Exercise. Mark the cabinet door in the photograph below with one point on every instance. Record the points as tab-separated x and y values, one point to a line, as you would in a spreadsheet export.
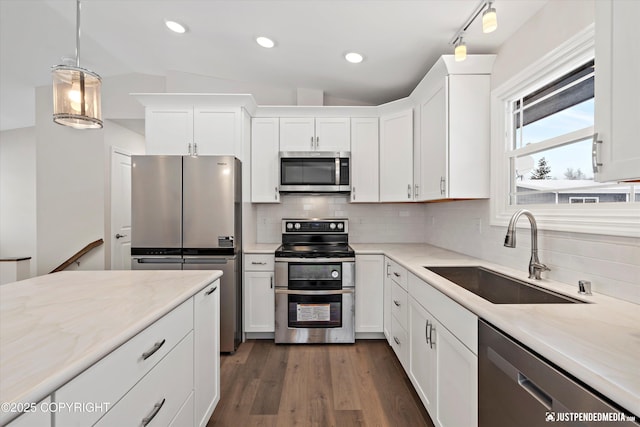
422	355
617	92
457	381
396	157
297	134
168	131
369	293
333	134
216	132
433	145
259	301
265	165
364	160
206	352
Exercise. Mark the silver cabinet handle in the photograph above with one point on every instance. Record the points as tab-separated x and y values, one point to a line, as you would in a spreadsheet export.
431	342
154	412
312	142
353	193
426	332
442	185
408	191
258	263
396	340
120	236
317	142
275	196
189	148
271	280
395	273
195	149
210	291
594	152
147	354
388	267
416	192
396	302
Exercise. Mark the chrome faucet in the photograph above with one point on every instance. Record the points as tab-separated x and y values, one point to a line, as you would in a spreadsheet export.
535	266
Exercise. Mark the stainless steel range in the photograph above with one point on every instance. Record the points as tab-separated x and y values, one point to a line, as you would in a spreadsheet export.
315	282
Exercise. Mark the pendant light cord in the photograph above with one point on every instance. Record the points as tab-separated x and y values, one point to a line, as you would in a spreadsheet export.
78	33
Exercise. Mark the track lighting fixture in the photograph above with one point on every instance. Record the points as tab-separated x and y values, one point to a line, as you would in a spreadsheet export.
489	24
489	19
460	50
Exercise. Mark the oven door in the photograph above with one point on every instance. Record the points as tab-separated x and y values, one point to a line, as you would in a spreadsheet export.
315	316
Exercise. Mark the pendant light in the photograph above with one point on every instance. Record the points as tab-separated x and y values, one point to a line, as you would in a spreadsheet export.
460	52
489	19
76	91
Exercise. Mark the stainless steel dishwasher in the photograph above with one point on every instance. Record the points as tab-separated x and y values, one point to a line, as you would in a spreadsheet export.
518	388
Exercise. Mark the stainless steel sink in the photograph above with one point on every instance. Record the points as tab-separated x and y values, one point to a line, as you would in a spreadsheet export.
498	288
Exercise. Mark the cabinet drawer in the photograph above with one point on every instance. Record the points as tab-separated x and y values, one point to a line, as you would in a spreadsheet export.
462	323
110	378
400	342
399	301
397	273
162	391
185	416
259	262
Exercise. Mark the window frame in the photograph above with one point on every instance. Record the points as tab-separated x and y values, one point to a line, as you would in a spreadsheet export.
618	219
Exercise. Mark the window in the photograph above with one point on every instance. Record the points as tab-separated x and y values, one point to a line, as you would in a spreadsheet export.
542	136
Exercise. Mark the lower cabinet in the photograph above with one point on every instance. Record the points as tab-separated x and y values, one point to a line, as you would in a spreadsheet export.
259	293
206	358
422	357
369	293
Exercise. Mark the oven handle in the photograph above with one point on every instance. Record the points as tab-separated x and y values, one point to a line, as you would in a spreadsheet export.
306	260
328	292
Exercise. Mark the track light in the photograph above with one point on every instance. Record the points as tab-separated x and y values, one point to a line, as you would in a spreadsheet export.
489	19
460	50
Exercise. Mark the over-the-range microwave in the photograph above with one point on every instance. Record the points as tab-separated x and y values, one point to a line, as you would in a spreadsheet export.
314	172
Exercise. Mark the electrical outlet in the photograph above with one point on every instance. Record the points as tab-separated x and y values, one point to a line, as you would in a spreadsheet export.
477	225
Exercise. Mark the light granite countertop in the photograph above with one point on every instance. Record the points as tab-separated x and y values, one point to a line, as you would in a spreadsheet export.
53	327
598	343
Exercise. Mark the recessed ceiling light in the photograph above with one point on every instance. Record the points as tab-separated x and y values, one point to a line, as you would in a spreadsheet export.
353	57
175	27
265	42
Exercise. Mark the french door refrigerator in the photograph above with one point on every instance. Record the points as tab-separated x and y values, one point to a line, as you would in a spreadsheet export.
186	214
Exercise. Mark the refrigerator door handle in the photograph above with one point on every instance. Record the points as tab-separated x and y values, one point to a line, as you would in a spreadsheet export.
159	260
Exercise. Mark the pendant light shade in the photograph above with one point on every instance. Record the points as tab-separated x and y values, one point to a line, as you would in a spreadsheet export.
489	19
76	92
460	52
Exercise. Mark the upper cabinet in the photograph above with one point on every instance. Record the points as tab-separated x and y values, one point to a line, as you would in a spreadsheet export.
265	167
396	157
364	160
315	134
193	131
451	156
616	154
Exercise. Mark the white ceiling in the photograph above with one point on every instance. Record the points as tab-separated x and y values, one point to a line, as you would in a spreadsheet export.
400	40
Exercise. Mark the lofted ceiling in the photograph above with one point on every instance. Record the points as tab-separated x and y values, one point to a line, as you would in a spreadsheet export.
400	40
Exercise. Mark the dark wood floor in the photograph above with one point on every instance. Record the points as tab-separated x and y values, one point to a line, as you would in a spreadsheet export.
363	384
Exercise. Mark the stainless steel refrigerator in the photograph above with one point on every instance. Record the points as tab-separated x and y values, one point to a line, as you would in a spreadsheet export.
186	214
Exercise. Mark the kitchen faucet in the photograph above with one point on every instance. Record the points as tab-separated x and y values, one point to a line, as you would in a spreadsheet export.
535	266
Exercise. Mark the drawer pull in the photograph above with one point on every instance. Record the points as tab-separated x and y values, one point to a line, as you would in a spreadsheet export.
154	412
426	332
396	340
212	290
395	273
152	350
431	343
396	302
258	263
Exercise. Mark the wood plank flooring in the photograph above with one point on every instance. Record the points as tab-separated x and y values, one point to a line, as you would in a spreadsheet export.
264	384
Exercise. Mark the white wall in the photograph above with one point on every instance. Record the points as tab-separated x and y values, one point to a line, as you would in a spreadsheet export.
611	263
70	191
18	194
368	222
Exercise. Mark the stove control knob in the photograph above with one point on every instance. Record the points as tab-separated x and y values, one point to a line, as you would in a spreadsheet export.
335	274
340	226
289	226
296	226
332	226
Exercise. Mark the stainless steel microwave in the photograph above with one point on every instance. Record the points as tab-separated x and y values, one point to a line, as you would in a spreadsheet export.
314	172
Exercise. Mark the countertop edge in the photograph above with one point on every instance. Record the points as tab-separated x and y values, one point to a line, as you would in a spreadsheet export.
68	373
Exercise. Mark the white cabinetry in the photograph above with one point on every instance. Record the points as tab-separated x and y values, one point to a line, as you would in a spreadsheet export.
388	284
396	157
265	165
365	143
315	134
259	294
369	293
206	325
617	92
399	311
452	156
193	131
443	367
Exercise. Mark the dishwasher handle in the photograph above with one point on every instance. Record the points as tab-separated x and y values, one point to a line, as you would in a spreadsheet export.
216	261
158	260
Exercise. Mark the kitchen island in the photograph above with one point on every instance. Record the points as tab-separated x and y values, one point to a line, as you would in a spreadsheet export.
62	332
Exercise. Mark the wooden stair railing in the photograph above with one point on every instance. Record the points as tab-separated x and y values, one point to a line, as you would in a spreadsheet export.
75	257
